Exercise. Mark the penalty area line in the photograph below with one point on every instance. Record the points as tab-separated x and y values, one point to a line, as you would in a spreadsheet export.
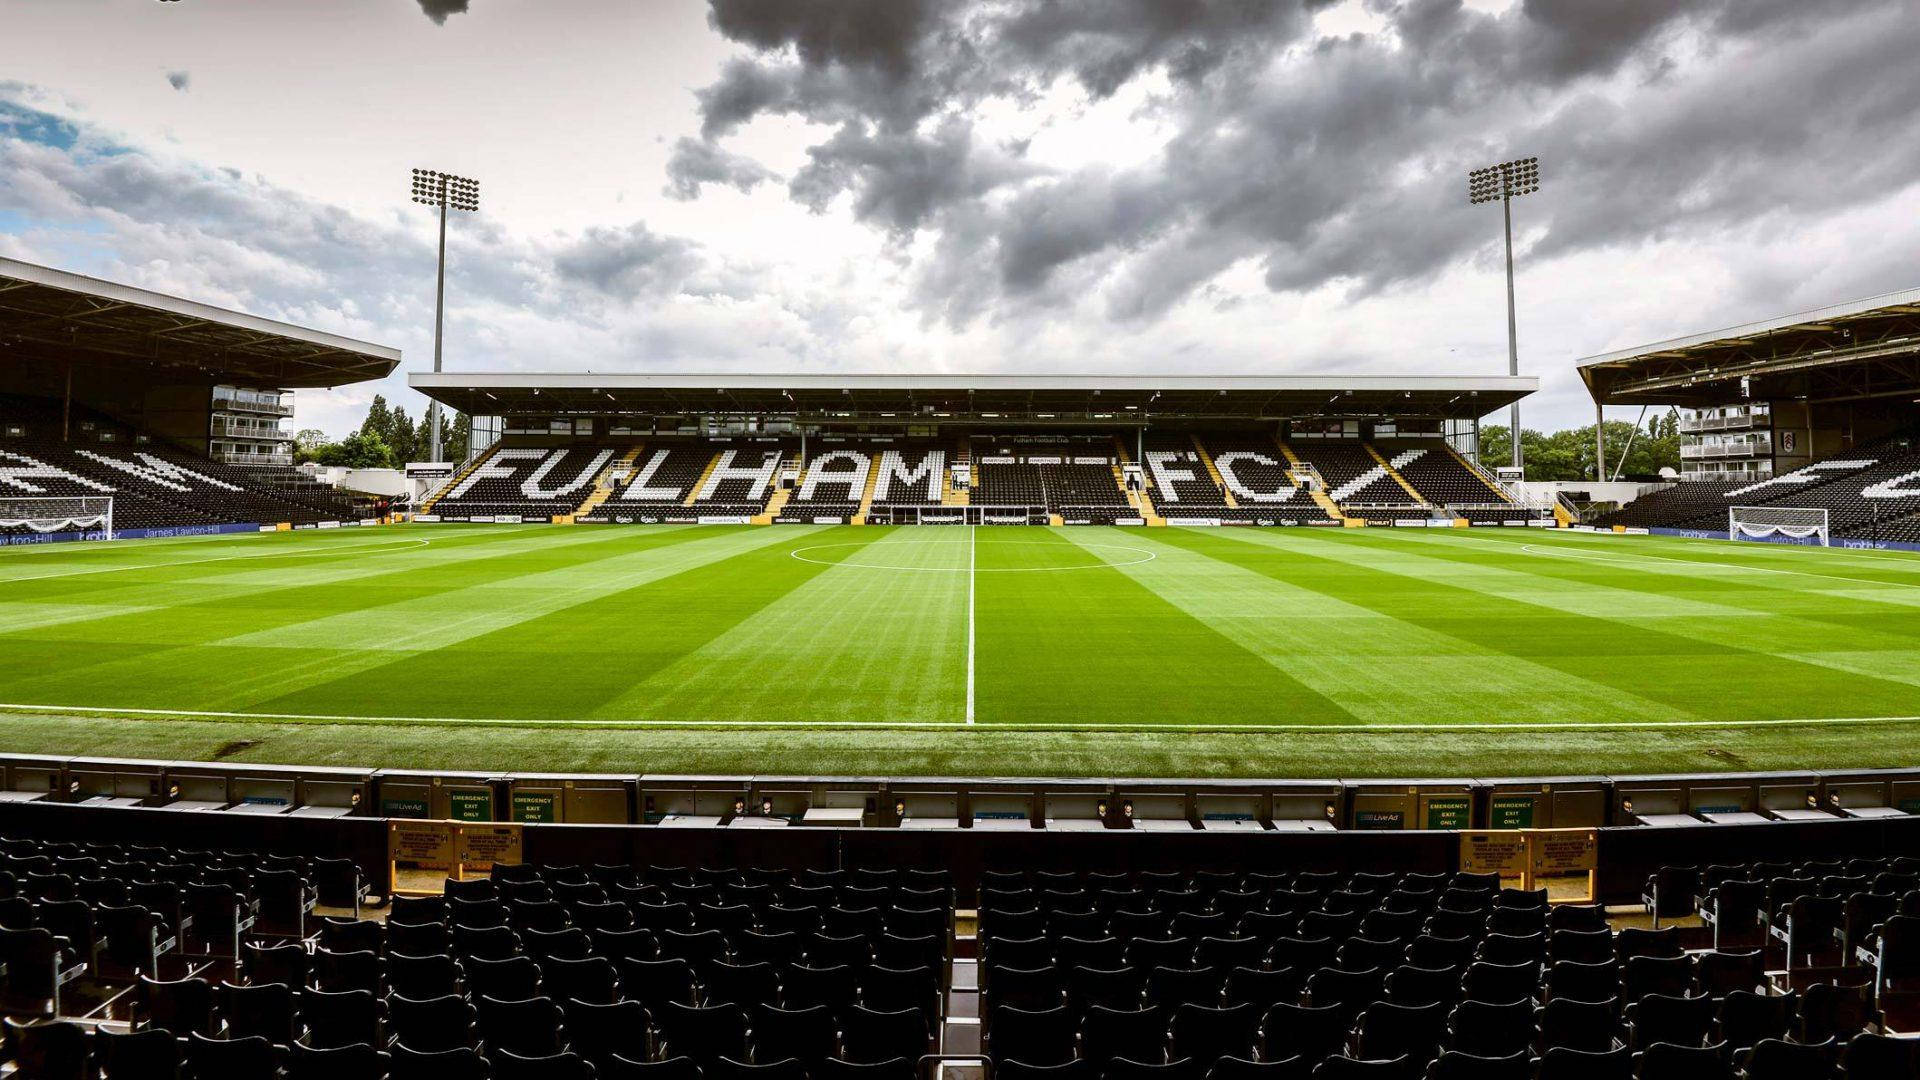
949	725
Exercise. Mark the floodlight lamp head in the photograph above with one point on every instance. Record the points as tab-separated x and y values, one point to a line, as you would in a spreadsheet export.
1507	180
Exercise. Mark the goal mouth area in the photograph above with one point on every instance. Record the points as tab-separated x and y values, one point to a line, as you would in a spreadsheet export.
1809	525
45	516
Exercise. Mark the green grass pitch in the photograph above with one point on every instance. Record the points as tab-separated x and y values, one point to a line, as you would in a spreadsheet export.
1077	651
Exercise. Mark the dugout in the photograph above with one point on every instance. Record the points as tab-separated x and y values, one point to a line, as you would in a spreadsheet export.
1560	802
30	777
122	782
683	802
440	796
1410	804
1076	806
574	799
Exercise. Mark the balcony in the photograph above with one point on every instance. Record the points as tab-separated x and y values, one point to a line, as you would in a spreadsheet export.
252	401
247	428
234	456
1740	421
1756	448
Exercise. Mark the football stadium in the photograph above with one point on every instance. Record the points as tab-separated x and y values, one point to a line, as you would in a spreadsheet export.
958	713
900	726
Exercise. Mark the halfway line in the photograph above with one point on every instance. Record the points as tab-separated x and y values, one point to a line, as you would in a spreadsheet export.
971	532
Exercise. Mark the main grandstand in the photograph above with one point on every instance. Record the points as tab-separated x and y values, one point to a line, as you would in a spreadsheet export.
976	450
1829	395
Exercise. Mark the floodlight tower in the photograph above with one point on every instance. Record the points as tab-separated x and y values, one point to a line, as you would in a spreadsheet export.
1507	181
448	192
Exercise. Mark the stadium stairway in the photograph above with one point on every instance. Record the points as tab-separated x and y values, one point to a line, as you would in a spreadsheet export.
962	455
1498	491
1393	471
777	501
1214	472
1320	497
699	485
866	492
460	474
603	484
1140	500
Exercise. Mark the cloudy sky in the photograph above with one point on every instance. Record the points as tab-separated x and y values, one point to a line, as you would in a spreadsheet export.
1196	186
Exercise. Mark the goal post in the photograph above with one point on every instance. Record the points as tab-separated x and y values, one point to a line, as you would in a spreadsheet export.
1779	524
42	514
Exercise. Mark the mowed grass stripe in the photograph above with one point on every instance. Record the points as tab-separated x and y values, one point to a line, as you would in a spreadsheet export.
1702	672
1663	663
1890	577
1338	629
1099	646
566	663
498	646
203	671
136	649
1793	626
281	570
882	643
30	564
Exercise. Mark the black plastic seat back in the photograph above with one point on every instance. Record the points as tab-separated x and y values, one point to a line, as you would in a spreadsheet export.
447	1022
138	1055
182	1006
265	1009
597	1032
49	1049
357	1062
1564	1063
1666	1061
236	1058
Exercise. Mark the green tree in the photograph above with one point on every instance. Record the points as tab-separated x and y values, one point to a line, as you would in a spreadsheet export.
379	421
456	429
1568	455
401	436
360	450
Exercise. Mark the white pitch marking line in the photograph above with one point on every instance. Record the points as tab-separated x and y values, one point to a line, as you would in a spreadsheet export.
971	547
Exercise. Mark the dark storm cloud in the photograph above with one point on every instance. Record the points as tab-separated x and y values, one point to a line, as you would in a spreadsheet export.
626	262
179	80
696	163
1324	159
438	10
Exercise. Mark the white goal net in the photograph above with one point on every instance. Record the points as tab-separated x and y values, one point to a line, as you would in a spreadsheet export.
1799	524
51	515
